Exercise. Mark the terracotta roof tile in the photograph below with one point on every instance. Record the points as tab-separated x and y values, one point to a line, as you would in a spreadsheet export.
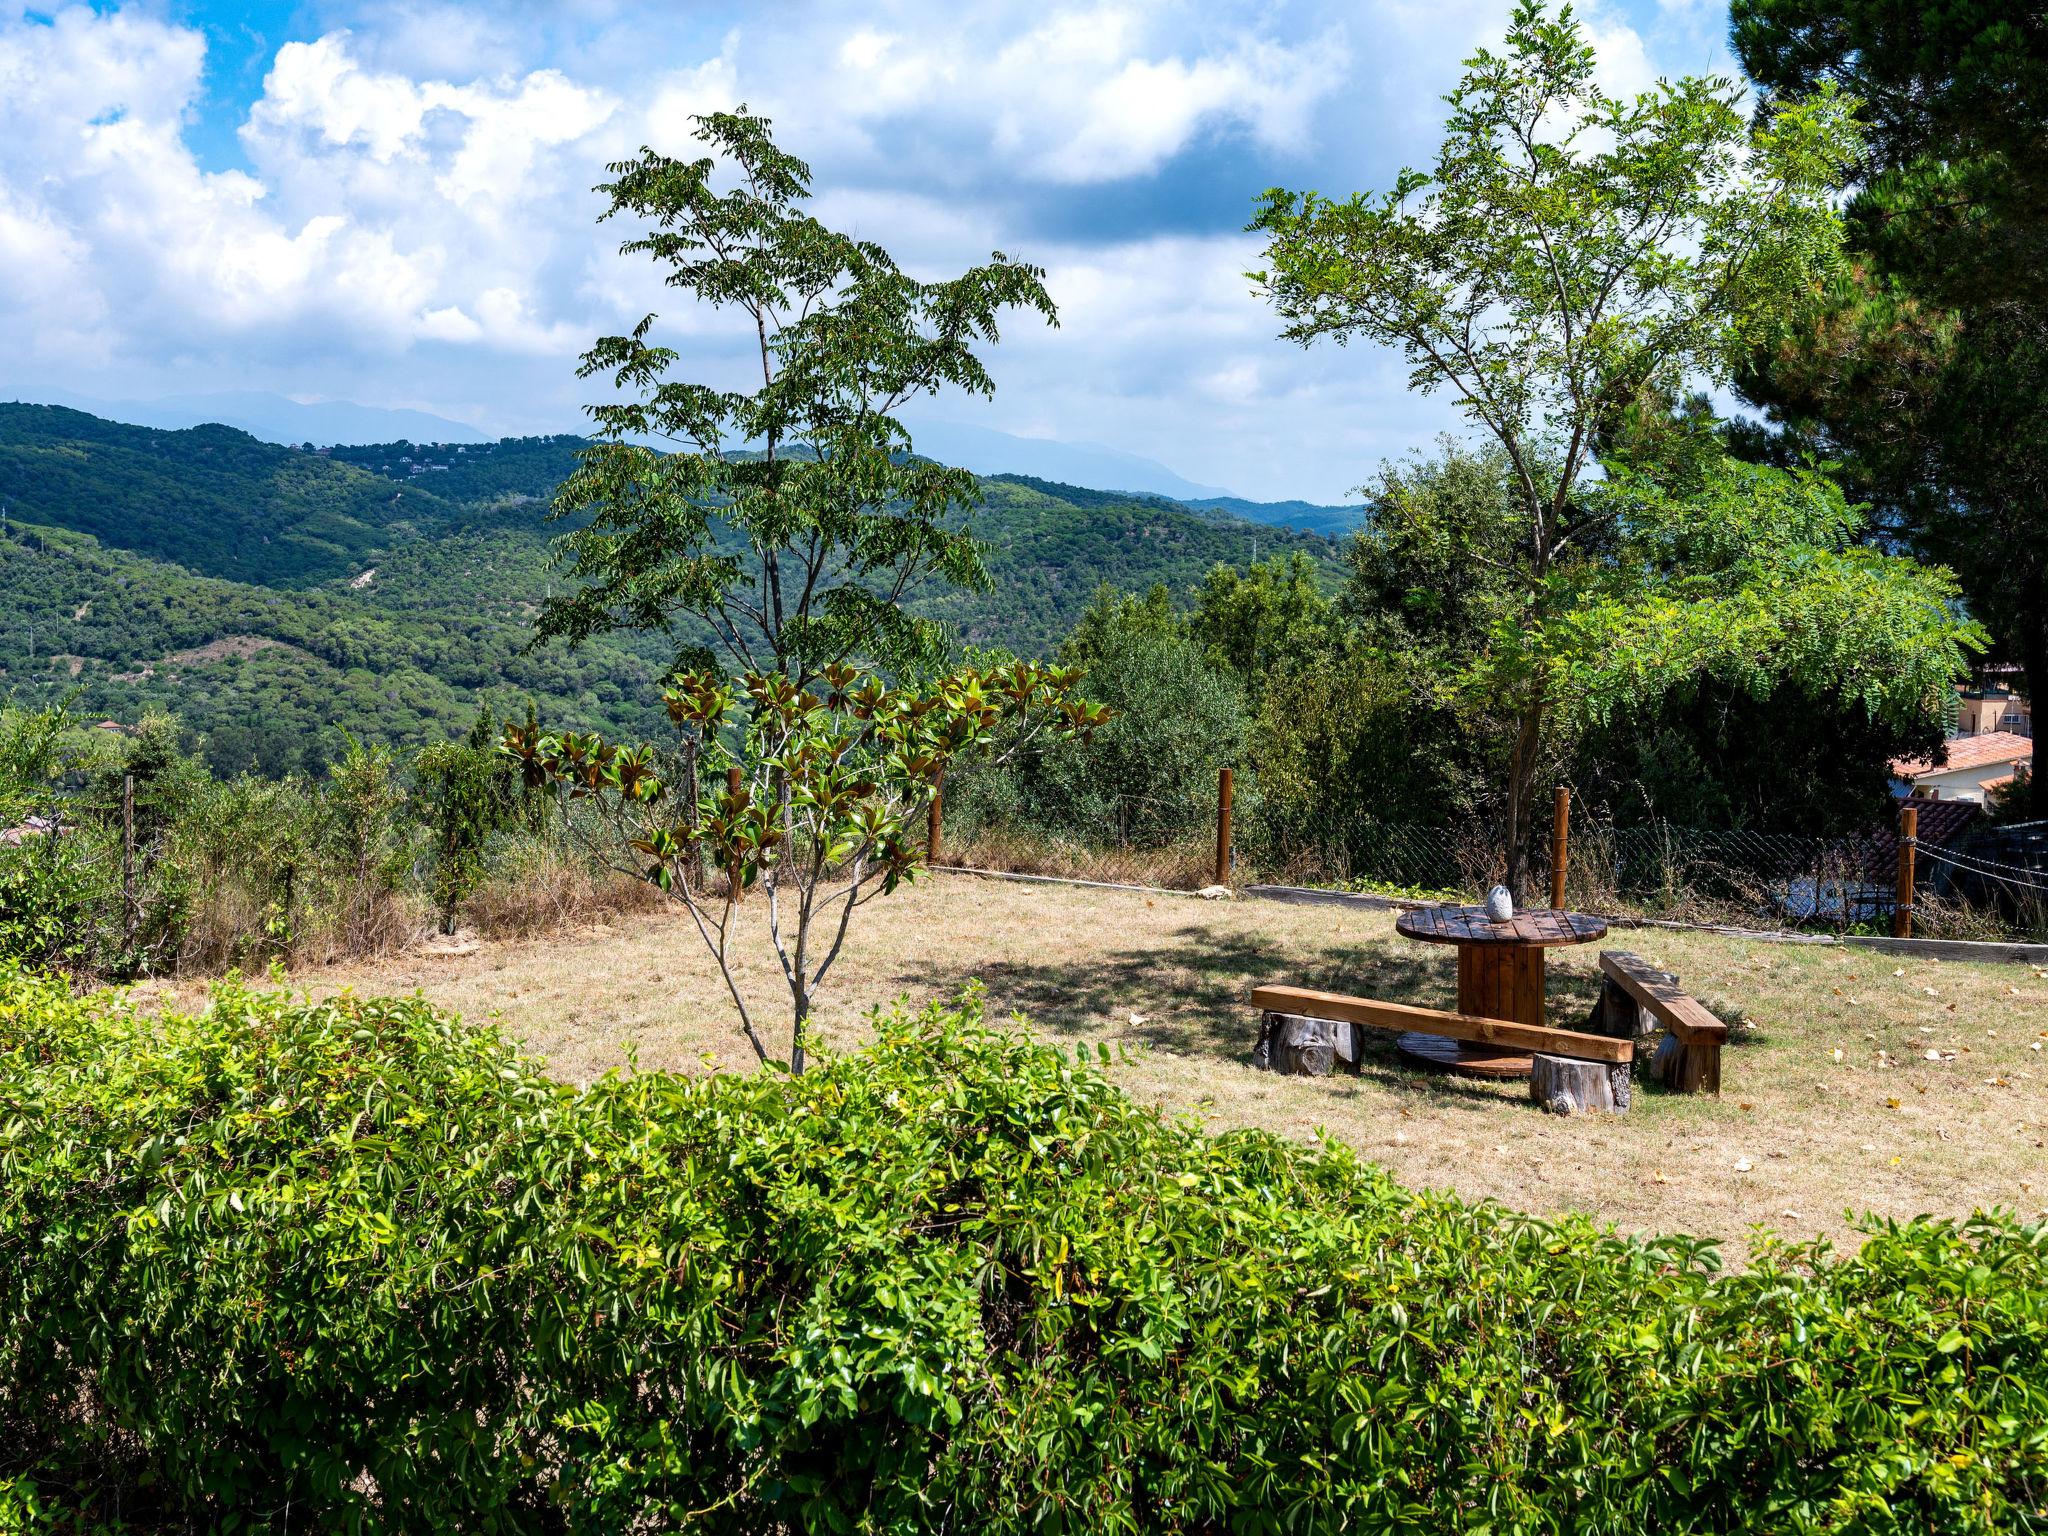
1970	752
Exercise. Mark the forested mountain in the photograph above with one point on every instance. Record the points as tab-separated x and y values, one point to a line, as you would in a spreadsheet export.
212	499
267	594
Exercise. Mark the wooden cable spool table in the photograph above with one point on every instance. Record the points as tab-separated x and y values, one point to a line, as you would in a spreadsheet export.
1500	976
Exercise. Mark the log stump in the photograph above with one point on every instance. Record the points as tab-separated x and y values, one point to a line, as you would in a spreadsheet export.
1565	1085
1304	1047
1683	1068
1617	1014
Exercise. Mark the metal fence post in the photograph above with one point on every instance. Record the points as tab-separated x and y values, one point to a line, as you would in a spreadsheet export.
1223	793
1909	839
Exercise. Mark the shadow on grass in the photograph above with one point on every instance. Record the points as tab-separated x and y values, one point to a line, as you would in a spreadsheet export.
1190	994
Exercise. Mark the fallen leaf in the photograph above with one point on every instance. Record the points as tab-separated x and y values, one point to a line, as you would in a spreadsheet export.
1790	1215
1659	1177
1891	1103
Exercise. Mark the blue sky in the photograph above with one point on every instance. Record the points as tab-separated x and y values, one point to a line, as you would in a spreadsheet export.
388	201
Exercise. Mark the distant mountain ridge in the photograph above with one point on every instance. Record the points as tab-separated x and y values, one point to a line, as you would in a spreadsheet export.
342	423
273	418
266	594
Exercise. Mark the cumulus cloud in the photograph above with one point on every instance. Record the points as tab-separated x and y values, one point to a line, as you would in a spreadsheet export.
411	218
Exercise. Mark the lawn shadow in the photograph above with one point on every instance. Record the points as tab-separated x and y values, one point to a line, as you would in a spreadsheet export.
1190	995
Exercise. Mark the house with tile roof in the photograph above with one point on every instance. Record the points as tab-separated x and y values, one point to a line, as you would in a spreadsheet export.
1967	768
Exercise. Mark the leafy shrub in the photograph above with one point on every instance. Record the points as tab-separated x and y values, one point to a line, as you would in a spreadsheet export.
1147	777
354	1261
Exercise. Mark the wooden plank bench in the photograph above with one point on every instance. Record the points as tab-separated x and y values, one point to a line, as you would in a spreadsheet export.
1689	1057
1305	1031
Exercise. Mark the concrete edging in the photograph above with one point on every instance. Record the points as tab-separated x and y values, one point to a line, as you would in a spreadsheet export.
1093	885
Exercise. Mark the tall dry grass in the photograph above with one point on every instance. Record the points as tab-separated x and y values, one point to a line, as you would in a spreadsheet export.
1185	865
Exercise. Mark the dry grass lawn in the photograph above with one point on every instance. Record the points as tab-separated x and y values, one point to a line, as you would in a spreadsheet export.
1853	1082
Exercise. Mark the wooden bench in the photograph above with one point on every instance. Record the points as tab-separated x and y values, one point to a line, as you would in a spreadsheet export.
1308	1032
1637	997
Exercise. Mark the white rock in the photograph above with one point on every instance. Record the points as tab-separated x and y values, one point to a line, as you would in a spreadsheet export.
1500	906
1216	893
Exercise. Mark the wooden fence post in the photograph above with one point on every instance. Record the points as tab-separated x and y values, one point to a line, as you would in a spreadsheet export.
933	817
128	911
1223	793
1560	837
736	869
1909	839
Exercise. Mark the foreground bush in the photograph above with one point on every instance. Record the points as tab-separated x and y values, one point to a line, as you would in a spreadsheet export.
352	1266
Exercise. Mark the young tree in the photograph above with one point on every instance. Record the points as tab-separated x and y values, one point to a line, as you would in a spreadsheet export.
466	796
1570	255
814	798
773	529
361	811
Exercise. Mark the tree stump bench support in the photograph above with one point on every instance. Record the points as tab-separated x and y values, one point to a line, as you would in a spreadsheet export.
1307	1033
1641	998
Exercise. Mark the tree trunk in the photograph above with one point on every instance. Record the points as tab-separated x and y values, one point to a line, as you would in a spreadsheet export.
1522	765
796	1032
2033	652
1566	1086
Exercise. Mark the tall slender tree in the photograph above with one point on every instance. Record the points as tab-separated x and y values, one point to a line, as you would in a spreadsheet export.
1570	257
773	527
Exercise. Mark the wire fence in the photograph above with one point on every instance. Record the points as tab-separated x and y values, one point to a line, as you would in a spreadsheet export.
1981	882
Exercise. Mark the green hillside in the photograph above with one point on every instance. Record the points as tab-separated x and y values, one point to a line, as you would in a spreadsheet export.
212	499
266	595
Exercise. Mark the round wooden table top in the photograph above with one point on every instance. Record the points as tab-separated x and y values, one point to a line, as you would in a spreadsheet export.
1470	925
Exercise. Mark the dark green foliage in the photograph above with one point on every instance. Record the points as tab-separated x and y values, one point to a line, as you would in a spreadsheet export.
354	1261
509	473
1273	615
447	617
1924	368
1793	761
1146	777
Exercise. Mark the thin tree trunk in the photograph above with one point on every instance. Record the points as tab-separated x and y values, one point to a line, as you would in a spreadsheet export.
2033	649
1522	765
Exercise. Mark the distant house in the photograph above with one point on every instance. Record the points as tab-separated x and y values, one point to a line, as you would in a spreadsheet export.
1983	711
1973	767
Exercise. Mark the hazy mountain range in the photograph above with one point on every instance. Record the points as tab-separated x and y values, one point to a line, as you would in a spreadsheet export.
326	423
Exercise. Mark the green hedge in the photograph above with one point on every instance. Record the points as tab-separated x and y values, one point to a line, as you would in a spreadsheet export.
353	1266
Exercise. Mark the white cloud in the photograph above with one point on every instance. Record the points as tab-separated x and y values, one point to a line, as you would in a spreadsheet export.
413	223
1088	94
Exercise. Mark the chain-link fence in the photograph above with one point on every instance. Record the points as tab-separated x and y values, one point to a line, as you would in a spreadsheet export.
1969	879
